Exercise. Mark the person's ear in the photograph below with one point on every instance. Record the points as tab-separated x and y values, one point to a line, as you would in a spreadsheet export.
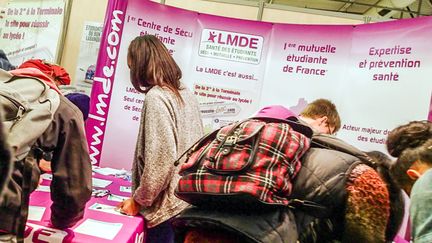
323	120
413	174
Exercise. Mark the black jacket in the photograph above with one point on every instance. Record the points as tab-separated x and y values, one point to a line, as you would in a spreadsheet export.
321	180
275	225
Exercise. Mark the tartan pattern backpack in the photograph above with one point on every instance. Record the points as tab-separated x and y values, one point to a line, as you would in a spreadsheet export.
249	161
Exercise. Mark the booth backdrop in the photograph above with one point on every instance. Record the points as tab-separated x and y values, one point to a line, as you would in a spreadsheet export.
376	74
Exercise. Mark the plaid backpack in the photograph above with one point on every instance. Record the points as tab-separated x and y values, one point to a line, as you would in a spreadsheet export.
250	161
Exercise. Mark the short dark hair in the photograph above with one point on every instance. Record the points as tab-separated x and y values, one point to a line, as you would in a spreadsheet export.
410	135
410	143
323	107
152	65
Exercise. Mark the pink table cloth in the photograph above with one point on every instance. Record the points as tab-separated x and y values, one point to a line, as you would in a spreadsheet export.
96	226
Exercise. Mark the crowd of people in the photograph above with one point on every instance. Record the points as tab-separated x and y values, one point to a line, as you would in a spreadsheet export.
340	193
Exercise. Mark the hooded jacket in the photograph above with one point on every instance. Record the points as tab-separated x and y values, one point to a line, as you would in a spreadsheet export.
338	176
276	225
71	168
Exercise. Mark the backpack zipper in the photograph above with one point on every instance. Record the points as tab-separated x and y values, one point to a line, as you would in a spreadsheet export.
21	108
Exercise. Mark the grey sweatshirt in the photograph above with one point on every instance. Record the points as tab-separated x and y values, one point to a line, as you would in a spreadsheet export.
167	129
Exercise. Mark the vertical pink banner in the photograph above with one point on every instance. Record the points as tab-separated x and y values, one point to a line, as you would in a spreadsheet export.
103	80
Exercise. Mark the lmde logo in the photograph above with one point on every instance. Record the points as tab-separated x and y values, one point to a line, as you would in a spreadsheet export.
233	46
233	39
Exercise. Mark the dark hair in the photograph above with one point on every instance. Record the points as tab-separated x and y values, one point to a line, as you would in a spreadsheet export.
323	107
410	135
410	143
151	65
383	164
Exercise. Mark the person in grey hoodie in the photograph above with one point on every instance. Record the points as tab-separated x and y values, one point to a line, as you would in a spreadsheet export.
170	124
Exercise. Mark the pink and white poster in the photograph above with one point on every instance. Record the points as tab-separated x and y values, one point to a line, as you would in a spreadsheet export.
387	82
228	68
32	29
306	62
376	74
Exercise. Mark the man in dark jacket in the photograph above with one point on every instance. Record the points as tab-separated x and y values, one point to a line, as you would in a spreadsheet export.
276	225
344	197
356	198
71	169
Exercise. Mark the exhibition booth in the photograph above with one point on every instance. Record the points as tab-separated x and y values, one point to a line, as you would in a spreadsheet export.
377	74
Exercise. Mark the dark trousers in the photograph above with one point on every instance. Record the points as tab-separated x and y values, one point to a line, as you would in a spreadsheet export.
162	233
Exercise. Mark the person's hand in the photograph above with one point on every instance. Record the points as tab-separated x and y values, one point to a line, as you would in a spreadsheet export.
129	207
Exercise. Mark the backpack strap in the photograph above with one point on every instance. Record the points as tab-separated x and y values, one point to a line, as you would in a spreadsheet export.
312	208
227	144
196	145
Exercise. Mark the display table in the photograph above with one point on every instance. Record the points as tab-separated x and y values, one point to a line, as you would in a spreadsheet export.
101	222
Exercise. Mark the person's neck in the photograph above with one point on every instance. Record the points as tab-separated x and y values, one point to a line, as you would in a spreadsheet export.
423	168
307	120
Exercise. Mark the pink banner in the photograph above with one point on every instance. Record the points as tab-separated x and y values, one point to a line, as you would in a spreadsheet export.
306	62
228	67
376	74
104	77
386	82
